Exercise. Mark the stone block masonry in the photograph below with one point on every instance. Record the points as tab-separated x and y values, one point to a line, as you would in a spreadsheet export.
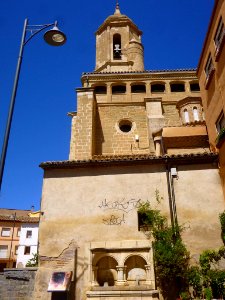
17	284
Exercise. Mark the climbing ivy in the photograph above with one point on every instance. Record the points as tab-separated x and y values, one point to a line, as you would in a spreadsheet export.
171	257
222	223
33	262
174	275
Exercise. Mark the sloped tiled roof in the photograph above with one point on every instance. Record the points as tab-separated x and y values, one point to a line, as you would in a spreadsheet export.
144	72
17	215
131	159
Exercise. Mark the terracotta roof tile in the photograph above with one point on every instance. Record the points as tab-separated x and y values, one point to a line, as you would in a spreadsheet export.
144	72
19	215
131	159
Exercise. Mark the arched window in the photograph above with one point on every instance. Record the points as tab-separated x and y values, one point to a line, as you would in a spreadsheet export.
195	114
135	269
101	89
118	89
194	87
177	87
117	46
157	87
107	271
186	116
138	88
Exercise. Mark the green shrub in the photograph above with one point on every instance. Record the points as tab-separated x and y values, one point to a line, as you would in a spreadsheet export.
221	135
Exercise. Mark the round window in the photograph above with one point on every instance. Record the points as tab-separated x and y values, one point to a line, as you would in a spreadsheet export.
125	125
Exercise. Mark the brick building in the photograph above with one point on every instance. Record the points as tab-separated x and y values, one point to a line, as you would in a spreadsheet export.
211	73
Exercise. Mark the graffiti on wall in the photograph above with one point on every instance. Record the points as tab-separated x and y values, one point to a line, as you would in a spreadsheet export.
123	205
114	220
119	206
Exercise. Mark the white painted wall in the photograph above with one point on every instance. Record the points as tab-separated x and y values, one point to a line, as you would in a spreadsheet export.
32	241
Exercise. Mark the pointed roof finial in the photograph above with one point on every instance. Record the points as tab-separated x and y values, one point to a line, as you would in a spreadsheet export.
117	11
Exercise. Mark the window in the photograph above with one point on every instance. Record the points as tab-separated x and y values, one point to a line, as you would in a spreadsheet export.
219	37
143	222
26	250
220	122
125	126
3	251
157	88
186	116
116	46
194	87
16	250
138	88
6	232
18	232
29	234
177	87
209	66
195	114
119	89
100	89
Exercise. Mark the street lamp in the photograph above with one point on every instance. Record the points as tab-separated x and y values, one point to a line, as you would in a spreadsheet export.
53	37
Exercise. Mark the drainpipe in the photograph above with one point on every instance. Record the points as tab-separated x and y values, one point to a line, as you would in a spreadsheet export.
10	252
171	194
173	199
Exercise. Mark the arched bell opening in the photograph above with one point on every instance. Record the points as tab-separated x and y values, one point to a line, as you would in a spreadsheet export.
117	46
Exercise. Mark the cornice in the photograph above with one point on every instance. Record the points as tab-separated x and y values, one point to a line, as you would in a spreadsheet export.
127	160
121	104
146	75
117	21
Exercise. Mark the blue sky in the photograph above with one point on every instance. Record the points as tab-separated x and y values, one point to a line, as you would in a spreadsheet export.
173	35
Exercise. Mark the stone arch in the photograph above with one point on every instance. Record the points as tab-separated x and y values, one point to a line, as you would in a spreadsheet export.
106	270
116	46
186	116
194	86
177	86
99	88
135	269
138	87
158	87
98	256
195	113
118	88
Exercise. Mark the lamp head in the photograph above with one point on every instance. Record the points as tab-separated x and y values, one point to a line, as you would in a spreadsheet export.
55	37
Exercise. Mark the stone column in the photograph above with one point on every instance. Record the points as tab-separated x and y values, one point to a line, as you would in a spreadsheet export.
158	150
148	89
167	88
128	92
149	278
187	86
121	275
94	281
109	92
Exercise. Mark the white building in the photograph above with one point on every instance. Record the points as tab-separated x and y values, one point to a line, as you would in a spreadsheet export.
28	243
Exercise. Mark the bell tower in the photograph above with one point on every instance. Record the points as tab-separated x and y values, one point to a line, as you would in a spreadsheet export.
118	45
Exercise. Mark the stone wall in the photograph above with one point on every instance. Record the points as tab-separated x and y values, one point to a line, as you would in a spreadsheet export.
17	284
82	126
111	140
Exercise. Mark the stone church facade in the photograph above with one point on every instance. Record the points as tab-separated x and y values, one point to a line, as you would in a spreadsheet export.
135	133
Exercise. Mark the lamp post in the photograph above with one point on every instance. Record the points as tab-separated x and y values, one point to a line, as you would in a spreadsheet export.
53	37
